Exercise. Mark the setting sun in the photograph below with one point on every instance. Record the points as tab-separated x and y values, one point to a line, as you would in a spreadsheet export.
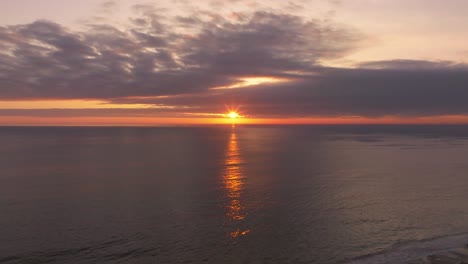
233	115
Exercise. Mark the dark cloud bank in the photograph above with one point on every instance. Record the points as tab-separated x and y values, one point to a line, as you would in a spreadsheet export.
186	56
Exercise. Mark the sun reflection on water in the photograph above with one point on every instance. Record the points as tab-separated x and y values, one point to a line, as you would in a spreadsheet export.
234	184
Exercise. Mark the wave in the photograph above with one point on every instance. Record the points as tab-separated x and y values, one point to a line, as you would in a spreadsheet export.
109	251
446	249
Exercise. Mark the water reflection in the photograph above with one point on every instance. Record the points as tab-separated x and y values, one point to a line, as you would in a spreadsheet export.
234	184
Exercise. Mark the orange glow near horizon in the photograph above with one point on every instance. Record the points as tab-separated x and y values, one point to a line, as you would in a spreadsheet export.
71	104
158	121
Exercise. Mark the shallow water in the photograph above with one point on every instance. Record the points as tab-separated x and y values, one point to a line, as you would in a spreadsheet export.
284	194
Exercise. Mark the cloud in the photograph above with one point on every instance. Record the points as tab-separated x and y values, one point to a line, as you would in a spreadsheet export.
267	43
45	60
175	60
409	65
344	92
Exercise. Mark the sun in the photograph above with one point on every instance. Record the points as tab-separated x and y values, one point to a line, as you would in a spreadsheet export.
233	115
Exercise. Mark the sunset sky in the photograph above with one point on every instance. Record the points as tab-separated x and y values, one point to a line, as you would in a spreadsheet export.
92	62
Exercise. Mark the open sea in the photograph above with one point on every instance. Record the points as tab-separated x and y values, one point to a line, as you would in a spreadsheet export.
244	194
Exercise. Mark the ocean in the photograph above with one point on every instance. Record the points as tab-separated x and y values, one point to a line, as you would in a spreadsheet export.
223	194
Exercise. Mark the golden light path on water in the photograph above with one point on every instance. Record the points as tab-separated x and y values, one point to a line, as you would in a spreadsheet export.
233	178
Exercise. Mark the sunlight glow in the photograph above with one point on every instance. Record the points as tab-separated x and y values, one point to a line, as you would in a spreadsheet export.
233	115
251	81
234	180
72	104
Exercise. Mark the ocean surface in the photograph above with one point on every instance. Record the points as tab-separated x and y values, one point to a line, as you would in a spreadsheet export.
244	194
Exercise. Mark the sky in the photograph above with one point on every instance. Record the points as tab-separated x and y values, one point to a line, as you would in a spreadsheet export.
123	62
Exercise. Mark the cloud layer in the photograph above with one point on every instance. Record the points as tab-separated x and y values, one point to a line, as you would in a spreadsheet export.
176	60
